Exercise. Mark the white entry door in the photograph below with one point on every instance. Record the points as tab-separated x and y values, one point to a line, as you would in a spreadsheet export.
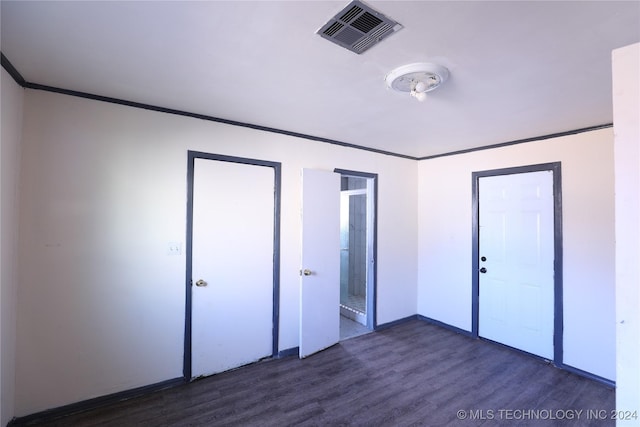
232	265
320	273
516	250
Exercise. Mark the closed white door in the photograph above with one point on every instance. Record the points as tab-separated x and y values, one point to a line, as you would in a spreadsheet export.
516	250
232	265
320	273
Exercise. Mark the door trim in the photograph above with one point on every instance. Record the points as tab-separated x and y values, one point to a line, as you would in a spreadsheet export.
374	290
277	166
555	168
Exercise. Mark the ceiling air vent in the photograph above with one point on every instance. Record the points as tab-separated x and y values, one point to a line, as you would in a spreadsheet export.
358	27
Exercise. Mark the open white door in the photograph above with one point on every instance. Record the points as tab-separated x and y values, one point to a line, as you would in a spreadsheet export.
320	273
516	283
232	265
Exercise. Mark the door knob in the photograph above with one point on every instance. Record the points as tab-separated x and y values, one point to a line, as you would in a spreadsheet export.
484	258
201	283
306	272
483	270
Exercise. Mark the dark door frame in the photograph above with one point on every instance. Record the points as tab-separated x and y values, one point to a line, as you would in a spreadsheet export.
557	247
192	155
372	303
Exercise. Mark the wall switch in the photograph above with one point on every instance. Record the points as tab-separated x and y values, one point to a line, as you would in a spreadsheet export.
174	248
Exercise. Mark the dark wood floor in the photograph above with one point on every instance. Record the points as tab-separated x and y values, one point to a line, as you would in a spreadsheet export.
413	374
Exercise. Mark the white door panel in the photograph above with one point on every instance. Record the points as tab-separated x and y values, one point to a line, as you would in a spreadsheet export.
516	300
232	252
320	289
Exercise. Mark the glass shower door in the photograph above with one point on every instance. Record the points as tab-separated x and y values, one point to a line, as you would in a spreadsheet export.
353	249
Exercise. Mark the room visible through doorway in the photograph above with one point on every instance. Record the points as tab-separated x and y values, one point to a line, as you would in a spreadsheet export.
356	254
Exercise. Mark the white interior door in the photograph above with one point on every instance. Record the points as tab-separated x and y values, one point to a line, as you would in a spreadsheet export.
320	273
516	283
232	265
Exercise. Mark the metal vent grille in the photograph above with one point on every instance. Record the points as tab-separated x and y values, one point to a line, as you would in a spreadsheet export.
358	27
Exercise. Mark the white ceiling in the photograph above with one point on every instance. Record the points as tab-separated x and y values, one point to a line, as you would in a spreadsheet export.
519	69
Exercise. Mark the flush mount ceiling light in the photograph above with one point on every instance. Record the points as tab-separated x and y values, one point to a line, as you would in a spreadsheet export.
417	79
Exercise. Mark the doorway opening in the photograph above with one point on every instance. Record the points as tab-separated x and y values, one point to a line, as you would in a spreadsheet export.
357	253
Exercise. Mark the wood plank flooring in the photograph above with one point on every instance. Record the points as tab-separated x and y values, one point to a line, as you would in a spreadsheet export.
412	374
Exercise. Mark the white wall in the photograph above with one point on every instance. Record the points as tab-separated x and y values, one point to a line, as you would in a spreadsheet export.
626	122
103	190
11	124
445	232
101	304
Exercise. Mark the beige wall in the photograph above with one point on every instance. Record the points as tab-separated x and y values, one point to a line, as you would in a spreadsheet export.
444	272
101	304
11	123
626	122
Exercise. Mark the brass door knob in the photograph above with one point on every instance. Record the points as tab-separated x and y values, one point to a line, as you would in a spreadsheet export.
307	272
201	283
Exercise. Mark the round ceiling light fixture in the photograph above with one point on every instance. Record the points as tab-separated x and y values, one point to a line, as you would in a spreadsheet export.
417	79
